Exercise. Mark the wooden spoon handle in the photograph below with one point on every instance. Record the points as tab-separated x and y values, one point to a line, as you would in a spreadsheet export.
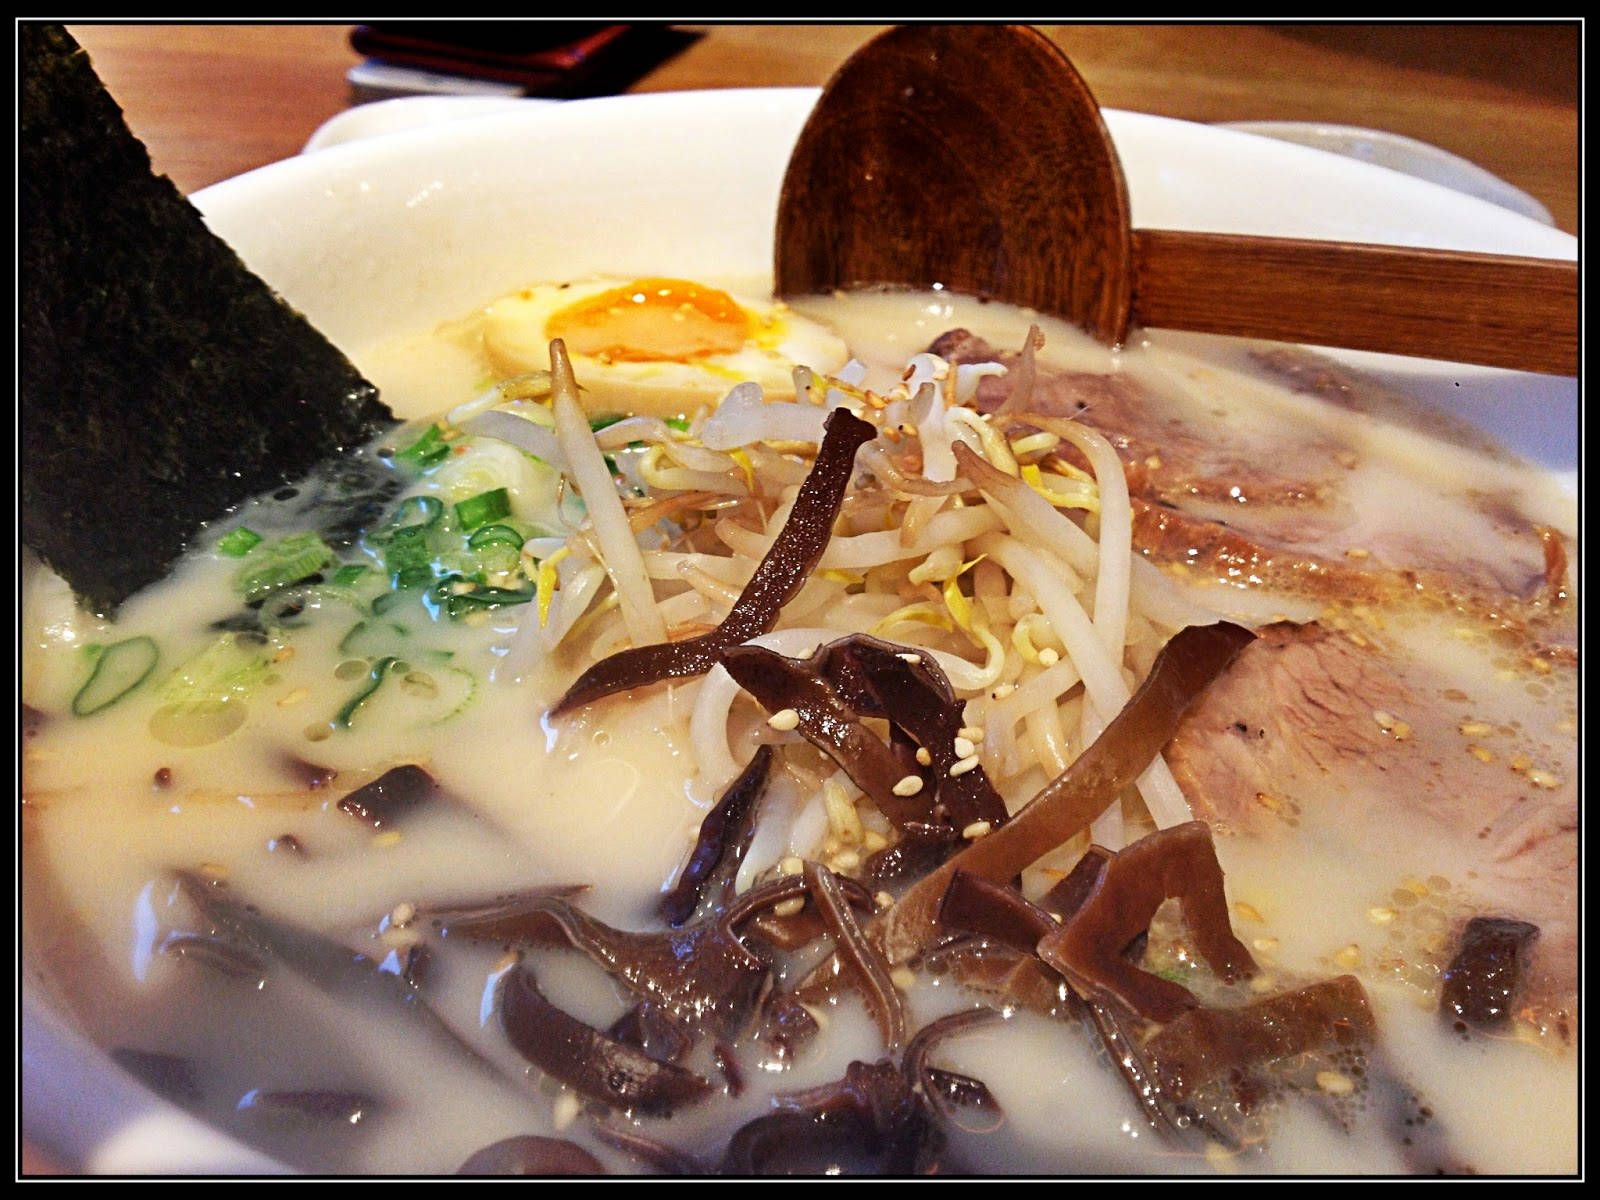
1490	309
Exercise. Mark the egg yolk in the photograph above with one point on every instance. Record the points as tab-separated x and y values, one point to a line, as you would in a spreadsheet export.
653	320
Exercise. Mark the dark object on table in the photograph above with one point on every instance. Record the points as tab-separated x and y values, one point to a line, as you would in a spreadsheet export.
162	382
544	58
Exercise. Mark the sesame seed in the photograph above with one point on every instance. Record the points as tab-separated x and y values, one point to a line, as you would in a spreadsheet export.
1048	657
1476	728
843	819
973	733
909	785
404	913
389	837
566	1110
1246	912
965	765
1357	552
1262	984
789	908
913	659
844	862
1265	945
873	841
1335	1083
882	900
1480	753
1348	957
1380	916
792	865
1004	690
976	830
1542	778
924	757
293	697
399	939
784	720
283	655
903	978
1391	724
965	748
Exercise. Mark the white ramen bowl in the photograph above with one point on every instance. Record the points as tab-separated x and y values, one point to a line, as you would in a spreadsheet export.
390	236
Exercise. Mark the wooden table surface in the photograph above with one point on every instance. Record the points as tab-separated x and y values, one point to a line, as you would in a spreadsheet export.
214	100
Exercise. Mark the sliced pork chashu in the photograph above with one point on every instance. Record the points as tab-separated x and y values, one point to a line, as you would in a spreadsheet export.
1291	474
1413	755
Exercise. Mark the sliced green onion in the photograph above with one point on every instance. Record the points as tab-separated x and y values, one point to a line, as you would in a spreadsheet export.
495	559
228	669
238	542
466	699
409	578
347	642
428	450
390	600
596	424
483	598
441	591
118	669
495	535
376	676
286	561
408	559
346	576
483	508
366	636
415	512
681	424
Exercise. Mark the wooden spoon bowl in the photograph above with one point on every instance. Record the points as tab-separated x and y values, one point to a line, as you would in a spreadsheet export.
975	157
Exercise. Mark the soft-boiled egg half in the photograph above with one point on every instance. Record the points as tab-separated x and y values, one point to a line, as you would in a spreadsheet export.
657	347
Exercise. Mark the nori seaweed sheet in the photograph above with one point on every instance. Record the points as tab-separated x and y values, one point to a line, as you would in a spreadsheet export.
162	382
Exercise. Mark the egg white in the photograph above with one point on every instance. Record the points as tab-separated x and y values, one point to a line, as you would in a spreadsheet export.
516	339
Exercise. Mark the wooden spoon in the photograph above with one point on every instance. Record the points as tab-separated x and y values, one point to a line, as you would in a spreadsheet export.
975	157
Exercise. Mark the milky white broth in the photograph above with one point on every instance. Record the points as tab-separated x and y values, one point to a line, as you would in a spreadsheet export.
610	797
